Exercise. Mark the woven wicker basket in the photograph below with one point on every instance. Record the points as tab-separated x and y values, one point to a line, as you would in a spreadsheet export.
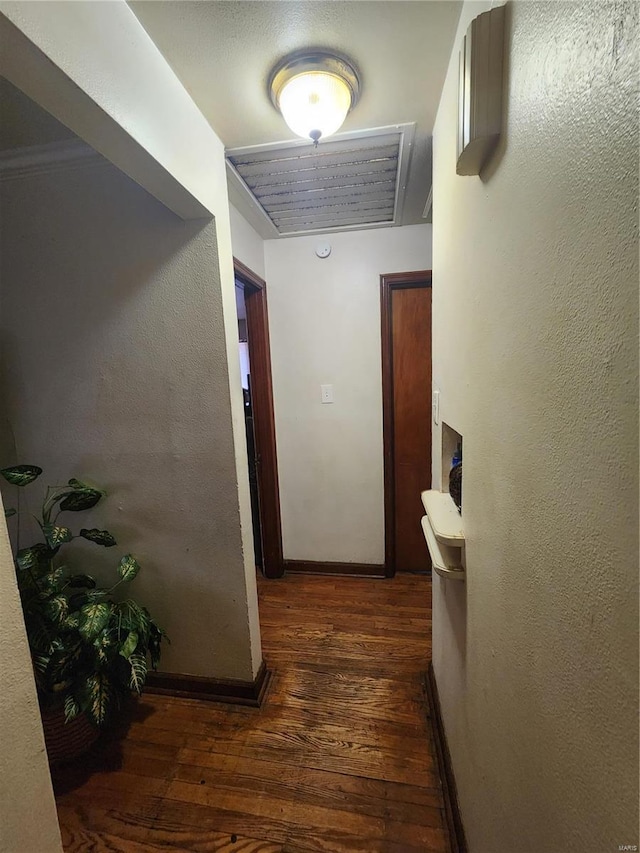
66	741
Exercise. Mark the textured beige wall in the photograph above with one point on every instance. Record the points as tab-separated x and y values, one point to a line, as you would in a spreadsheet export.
28	821
536	355
93	66
324	317
115	369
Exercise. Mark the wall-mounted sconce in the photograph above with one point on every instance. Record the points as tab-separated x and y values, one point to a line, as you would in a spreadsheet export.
480	91
314	91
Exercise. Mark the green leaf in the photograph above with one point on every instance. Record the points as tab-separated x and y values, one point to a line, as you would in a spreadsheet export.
82	581
27	558
101	537
128	568
21	475
104	644
55	536
129	645
67	651
156	636
72	621
92	596
93	619
98	697
37	556
52	582
82	497
106	638
78	600
103	658
78	484
41	662
38	634
56	608
134	618
9	512
71	708
138	672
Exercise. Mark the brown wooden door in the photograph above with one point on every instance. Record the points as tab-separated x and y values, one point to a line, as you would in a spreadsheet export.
406	354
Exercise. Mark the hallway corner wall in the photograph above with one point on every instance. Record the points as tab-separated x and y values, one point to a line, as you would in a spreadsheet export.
535	300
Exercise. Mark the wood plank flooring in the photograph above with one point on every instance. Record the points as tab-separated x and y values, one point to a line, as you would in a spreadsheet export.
339	759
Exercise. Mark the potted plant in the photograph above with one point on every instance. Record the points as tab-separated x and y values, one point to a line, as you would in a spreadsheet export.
90	646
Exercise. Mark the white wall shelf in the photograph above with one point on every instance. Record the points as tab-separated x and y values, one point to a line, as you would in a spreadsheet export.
444	517
444	534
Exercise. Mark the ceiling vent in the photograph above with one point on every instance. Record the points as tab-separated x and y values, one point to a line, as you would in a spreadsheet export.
353	180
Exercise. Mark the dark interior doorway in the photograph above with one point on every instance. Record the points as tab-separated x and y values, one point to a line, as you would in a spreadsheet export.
406	402
260	424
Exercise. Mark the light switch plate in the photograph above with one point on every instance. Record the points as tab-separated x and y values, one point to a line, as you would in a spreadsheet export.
436	407
326	393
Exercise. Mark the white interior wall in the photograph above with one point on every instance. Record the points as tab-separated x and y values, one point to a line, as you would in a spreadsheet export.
324	321
28	820
535	289
115	370
247	244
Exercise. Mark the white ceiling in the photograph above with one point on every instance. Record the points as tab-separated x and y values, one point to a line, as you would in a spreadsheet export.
223	51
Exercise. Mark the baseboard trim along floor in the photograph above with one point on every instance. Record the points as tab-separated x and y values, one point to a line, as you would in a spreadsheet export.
449	790
212	689
365	570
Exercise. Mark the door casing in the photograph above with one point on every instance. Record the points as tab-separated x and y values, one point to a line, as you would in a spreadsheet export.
255	294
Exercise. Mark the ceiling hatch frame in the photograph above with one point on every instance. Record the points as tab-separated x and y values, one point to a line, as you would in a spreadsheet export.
404	139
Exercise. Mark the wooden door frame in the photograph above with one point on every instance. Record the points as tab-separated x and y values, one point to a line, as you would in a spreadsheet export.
388	283
263	417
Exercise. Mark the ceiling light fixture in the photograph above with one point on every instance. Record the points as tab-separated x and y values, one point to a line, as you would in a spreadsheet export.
314	91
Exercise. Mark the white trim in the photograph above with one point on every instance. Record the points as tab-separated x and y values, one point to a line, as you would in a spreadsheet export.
235	181
407	133
298	142
31	160
360	226
428	204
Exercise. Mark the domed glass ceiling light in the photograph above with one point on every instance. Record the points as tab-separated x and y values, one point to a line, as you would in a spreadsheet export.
314	91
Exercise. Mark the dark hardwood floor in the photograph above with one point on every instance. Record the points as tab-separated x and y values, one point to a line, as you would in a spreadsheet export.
339	759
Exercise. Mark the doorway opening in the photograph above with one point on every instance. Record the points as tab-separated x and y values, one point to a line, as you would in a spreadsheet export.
406	406
255	364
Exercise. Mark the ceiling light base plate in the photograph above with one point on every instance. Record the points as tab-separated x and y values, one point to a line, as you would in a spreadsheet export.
304	61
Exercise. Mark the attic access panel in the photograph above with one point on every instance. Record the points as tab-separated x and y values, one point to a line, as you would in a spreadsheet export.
349	181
